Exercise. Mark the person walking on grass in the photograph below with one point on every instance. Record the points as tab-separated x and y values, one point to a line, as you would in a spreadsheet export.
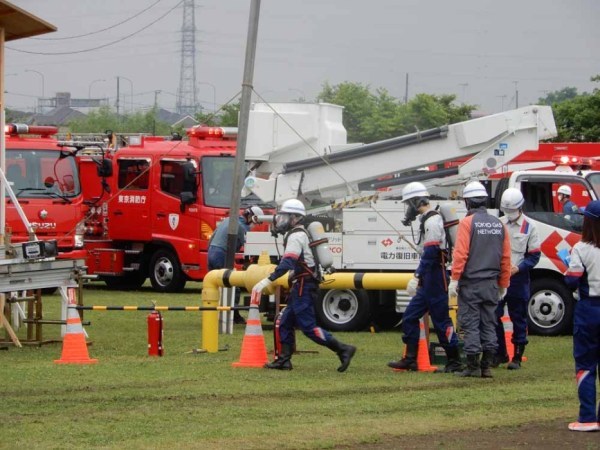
300	310
583	274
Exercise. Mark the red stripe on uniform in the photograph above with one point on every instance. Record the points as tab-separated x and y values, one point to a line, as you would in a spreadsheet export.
431	243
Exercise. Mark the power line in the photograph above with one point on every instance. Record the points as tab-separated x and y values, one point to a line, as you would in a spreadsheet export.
100	46
101	30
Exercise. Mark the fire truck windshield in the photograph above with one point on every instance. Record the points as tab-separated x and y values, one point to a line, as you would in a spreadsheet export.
42	173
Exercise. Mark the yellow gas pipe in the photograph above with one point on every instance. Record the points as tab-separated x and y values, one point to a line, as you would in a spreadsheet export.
256	272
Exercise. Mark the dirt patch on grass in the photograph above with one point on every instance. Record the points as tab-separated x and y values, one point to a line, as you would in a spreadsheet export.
553	435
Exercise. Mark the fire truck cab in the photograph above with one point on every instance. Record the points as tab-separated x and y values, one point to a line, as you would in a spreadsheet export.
164	199
45	179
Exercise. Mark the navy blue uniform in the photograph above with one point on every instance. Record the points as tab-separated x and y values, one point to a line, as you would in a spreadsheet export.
432	294
300	310
584	274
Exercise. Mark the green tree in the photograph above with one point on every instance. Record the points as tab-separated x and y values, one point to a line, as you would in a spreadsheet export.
373	117
555	97
105	118
229	115
578	118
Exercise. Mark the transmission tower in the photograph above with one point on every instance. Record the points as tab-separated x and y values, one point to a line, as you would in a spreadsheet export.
187	102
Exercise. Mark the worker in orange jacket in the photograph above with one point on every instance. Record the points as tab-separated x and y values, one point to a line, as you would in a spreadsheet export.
480	277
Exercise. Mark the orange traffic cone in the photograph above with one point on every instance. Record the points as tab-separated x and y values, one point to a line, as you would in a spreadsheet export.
254	350
508	334
74	349
423	362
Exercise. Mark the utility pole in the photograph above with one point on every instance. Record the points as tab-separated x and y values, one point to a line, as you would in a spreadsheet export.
406	90
464	90
240	154
155	112
516	94
118	95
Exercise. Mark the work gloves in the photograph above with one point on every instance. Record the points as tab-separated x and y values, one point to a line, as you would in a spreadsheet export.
262	285
501	293
453	288
412	287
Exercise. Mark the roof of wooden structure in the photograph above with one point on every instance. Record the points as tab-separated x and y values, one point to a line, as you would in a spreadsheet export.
19	24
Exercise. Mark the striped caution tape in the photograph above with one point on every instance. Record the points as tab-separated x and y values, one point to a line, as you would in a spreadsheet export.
160	308
354	201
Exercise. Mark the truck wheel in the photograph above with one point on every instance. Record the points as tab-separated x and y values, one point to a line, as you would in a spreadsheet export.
343	309
165	272
550	309
130	281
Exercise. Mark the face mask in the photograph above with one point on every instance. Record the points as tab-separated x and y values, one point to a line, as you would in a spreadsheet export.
511	214
410	214
282	223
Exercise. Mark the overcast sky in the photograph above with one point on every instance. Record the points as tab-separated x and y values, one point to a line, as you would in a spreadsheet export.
482	51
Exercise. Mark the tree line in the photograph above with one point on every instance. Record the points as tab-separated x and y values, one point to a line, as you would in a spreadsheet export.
372	116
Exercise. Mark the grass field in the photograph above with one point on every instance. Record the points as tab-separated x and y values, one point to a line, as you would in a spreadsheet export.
186	400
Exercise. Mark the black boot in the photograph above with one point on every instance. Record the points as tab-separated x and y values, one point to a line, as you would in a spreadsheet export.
344	352
454	363
409	362
499	359
486	363
515	364
283	361
473	368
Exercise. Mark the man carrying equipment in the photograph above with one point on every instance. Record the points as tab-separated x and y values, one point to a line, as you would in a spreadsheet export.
428	288
300	310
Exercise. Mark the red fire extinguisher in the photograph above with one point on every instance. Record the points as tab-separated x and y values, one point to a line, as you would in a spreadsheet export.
155	334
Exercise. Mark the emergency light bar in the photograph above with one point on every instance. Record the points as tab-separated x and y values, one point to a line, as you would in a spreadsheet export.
201	132
574	162
13	129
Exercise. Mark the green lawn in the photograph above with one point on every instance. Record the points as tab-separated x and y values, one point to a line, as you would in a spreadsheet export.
130	400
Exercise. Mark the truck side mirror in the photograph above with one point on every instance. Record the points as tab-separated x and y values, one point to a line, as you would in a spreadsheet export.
189	177
187	198
104	168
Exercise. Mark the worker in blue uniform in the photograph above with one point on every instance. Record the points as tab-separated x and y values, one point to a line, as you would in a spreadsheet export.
584	274
300	310
428	288
525	254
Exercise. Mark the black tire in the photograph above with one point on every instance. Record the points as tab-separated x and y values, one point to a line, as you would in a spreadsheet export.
165	272
343	309
128	282
550	308
383	310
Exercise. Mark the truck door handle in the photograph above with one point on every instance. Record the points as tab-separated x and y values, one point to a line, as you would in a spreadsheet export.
118	212
161	214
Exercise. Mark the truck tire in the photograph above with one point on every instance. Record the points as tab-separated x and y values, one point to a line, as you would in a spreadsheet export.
550	308
165	272
343	309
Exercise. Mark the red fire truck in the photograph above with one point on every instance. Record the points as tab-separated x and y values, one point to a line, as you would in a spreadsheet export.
156	207
45	179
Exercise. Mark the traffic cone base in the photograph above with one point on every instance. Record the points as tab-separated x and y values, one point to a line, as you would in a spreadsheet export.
254	350
423	362
74	349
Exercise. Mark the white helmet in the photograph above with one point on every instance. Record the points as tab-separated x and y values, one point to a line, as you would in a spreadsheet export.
565	190
512	198
414	189
293	206
474	189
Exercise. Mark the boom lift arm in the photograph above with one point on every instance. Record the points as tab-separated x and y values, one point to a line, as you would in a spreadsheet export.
285	165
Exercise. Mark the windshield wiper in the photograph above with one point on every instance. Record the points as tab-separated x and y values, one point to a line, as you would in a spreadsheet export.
57	195
20	191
